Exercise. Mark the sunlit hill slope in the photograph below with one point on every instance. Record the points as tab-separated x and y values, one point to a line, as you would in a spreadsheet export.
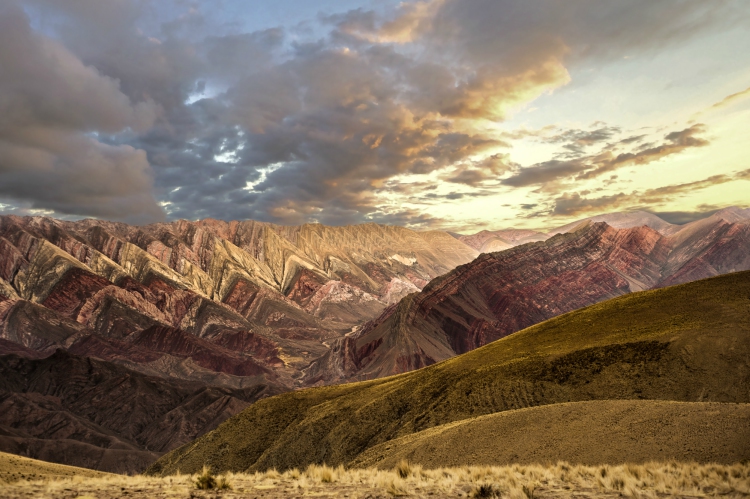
684	343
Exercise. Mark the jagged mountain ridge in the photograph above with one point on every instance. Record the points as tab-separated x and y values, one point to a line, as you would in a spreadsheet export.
181	303
687	343
229	309
501	293
492	241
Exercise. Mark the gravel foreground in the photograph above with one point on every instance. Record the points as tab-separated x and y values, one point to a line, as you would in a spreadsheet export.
653	480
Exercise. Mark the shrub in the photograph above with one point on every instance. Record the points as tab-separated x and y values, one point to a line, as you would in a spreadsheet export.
485	490
528	490
403	468
205	480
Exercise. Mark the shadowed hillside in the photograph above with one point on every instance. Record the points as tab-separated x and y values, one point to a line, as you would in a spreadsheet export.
685	343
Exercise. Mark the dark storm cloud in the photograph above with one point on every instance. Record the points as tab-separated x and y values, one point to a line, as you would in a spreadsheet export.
52	107
161	100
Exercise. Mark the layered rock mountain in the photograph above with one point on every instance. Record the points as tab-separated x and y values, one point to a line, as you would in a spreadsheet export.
623	220
184	324
685	344
101	415
491	241
134	340
501	293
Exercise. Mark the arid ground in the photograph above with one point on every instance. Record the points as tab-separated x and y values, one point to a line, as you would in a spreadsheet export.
559	480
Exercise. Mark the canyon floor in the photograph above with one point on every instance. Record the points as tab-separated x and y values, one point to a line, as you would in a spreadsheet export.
653	480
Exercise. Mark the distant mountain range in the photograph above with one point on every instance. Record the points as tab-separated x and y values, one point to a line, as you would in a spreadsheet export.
119	343
501	293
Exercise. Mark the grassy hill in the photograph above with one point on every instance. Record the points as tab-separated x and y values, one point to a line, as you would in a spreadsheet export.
589	433
684	343
14	468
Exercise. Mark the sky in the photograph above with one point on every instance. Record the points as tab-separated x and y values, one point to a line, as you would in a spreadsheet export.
457	115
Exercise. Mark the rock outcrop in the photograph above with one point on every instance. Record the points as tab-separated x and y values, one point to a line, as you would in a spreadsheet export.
212	315
188	321
501	293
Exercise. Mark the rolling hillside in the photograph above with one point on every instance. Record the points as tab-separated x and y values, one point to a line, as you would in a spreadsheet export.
14	468
683	343
591	433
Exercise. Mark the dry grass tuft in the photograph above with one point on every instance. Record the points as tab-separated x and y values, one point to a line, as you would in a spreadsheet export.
485	491
403	469
321	473
648	481
207	481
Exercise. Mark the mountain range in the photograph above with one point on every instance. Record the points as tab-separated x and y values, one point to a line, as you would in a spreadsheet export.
120	343
583	377
500	293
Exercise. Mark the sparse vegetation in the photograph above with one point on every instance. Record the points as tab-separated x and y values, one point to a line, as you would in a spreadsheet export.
650	480
403	469
484	491
684	343
207	481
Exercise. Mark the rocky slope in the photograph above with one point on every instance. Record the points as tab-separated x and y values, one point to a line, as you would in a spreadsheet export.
104	416
501	293
193	320
688	343
245	309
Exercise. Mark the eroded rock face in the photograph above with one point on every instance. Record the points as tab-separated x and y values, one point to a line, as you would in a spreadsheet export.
227	311
500	293
214	315
67	398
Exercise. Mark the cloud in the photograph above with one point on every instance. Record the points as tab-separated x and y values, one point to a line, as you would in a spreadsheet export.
727	101
676	142
411	20
124	100
574	204
731	99
52	109
478	173
607	161
577	141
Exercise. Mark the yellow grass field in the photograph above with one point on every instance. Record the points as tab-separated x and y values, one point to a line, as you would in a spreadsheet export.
561	480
